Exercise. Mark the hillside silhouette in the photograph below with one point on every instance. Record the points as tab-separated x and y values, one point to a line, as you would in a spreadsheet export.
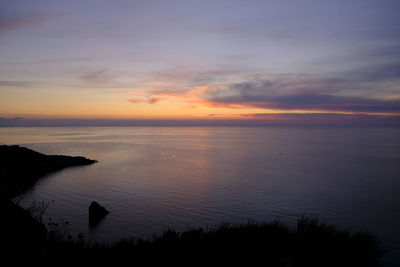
21	167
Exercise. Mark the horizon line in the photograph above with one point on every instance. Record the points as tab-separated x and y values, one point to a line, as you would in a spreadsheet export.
360	121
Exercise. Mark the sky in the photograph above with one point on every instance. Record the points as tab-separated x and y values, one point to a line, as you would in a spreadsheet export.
312	61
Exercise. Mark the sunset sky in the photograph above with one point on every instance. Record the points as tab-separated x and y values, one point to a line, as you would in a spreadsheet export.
208	60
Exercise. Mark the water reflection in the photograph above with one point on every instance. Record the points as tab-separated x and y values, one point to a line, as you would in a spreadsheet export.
151	178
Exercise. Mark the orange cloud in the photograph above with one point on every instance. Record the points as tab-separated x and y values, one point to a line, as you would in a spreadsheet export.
193	96
151	100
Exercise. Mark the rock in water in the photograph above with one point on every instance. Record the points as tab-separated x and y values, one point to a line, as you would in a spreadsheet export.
96	213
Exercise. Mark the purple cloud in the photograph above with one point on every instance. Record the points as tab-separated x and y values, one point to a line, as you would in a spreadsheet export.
311	102
14	83
313	93
9	23
97	76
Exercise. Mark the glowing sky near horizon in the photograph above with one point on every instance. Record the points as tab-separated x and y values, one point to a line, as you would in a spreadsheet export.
198	59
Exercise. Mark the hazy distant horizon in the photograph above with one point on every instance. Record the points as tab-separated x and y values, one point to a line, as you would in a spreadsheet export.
311	120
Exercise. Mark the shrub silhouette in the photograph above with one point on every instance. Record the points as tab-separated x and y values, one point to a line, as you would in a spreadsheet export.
311	243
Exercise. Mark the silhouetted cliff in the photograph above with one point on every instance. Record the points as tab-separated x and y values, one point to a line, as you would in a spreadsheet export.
21	167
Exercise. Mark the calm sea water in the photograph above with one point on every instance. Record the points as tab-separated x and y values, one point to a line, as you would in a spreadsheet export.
153	178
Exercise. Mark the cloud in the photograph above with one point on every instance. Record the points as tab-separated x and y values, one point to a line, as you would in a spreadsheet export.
97	76
182	78
357	92
285	92
9	23
371	89
52	60
310	102
384	72
14	83
192	96
149	100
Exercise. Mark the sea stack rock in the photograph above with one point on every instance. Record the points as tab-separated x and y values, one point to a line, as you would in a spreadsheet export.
96	213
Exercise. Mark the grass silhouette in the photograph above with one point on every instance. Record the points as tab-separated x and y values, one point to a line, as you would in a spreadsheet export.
310	243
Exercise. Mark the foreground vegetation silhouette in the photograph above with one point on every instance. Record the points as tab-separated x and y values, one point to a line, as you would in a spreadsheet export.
310	243
27	242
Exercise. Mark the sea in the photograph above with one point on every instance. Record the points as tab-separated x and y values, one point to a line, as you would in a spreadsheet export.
156	178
